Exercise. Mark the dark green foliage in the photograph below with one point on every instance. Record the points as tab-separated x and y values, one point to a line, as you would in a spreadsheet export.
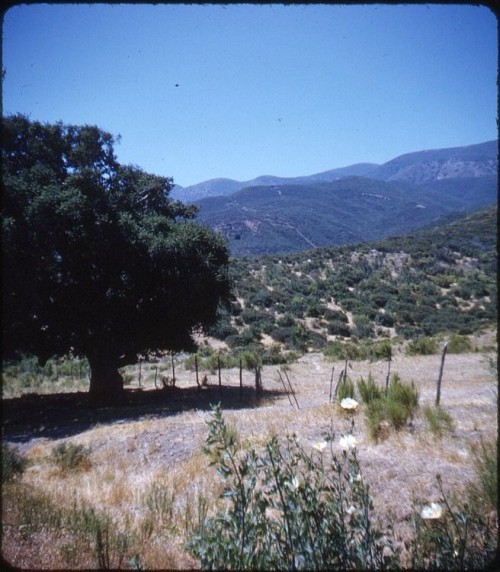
13	464
97	258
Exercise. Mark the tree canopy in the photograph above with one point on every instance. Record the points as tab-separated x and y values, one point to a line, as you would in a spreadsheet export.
97	259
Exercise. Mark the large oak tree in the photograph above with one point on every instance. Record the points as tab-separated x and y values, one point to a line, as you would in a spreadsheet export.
97	259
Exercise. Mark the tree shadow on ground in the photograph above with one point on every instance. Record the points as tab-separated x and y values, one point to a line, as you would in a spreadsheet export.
56	416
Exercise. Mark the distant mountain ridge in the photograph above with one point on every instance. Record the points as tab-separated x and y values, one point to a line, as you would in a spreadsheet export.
222	187
418	167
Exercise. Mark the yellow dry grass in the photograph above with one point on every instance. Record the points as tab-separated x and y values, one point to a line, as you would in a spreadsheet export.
128	458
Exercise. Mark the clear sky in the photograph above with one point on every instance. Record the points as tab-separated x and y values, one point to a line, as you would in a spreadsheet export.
241	90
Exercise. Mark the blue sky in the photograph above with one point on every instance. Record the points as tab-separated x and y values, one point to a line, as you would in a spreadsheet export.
240	90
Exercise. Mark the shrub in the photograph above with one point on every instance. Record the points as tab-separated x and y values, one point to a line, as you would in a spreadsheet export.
452	535
459	344
438	420
71	456
369	390
381	350
339	329
422	346
364	326
13	464
337	350
484	492
345	389
288	508
394	409
376	418
403	393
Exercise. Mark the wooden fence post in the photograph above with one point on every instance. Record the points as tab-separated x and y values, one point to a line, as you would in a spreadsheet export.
220	380
292	390
285	388
388	373
258	382
241	379
438	390
173	368
331	386
196	369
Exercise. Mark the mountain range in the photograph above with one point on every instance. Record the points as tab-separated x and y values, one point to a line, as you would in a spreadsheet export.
347	205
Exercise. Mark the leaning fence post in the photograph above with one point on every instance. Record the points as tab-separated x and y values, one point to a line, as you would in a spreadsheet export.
331	385
438	391
285	388
291	388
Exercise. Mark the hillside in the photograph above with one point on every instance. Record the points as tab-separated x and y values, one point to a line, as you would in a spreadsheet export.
346	205
290	218
457	162
441	280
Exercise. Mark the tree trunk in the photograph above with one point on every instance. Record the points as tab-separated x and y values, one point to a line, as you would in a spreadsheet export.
106	383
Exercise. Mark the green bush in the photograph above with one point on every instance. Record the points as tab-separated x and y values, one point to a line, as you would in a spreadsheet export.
422	346
484	492
369	390
458	344
13	464
380	350
337	350
70	456
438	420
456	537
287	508
338	328
404	394
393	409
345	389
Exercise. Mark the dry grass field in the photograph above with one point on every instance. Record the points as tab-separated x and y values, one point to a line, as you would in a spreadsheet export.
145	469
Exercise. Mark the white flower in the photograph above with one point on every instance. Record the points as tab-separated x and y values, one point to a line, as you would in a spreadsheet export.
351	509
347	442
432	511
356	478
320	445
349	403
296	482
